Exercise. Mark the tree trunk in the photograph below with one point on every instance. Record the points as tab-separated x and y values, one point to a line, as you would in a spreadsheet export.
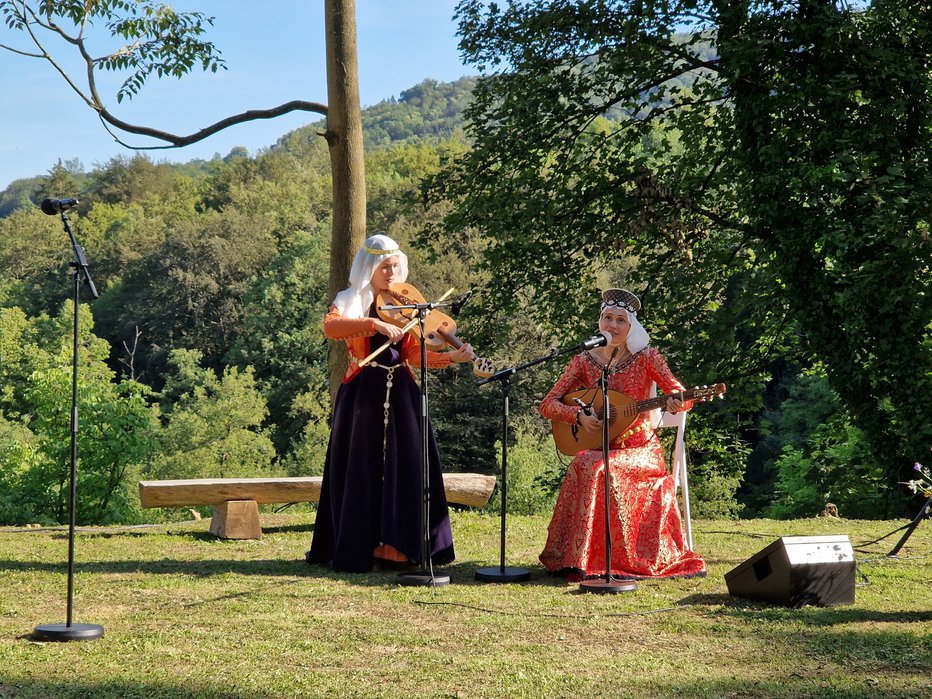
347	164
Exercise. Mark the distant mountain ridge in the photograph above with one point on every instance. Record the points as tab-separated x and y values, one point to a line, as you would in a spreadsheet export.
430	110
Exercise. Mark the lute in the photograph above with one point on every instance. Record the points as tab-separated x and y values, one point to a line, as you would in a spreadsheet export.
439	328
571	438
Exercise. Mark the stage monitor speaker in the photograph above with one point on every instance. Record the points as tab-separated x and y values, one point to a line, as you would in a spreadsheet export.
798	570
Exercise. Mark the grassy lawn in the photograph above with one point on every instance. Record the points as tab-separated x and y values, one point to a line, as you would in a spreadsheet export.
186	615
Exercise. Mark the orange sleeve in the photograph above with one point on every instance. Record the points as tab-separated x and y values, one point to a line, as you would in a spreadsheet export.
411	349
336	327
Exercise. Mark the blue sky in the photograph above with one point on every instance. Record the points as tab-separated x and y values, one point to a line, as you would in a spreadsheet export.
274	52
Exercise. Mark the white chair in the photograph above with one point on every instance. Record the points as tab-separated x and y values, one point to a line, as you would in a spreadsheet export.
680	475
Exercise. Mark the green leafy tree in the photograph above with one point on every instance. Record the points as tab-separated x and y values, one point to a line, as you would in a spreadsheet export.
833	466
155	39
20	355
115	428
62	180
19	457
535	472
429	111
35	252
283	337
812	455
188	292
127	180
757	171
308	451
213	424
19	195
834	123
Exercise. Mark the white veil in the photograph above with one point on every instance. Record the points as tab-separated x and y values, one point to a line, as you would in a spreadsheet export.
637	340
354	301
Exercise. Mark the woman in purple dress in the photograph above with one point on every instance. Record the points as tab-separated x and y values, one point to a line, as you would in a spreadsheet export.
370	509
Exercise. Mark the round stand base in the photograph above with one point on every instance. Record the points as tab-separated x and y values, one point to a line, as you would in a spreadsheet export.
63	632
503	575
607	587
422	579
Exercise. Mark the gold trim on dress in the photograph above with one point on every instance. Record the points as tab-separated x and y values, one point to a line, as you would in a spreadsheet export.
628	434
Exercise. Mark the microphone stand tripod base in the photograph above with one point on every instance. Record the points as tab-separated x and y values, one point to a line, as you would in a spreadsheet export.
64	632
503	575
422	578
607	587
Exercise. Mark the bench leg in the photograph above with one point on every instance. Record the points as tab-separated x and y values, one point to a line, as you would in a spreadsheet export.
236	519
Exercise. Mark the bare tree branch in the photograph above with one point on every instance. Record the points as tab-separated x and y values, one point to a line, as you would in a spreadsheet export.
176	141
93	99
21	52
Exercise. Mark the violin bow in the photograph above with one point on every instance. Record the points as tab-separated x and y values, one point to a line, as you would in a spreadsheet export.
407	326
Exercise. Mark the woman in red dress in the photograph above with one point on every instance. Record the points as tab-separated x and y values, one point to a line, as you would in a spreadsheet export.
645	525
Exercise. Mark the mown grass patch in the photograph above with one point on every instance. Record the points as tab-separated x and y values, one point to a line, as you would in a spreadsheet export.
189	616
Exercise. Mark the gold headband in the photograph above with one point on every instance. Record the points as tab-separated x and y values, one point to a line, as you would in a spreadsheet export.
373	251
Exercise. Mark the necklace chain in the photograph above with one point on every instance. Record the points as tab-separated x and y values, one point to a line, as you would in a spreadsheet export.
619	365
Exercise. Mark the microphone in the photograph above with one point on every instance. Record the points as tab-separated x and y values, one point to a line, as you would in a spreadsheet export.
586	407
457	305
600	340
56	206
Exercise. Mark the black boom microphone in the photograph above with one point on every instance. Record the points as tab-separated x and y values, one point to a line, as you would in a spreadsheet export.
600	340
457	305
56	206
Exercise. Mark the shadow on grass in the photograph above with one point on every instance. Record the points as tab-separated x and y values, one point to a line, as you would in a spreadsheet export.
166	566
289	529
115	689
746	535
61	532
784	686
461	573
815	616
141	530
849	636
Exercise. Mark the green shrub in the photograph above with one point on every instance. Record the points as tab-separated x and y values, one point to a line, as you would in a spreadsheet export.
533	468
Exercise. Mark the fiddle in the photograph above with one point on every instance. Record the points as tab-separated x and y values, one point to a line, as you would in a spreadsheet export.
439	328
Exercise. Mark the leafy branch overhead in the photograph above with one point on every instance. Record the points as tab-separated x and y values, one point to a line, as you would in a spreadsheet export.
164	42
758	172
159	41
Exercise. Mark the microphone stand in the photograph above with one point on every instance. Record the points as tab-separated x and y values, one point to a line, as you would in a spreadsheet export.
910	528
70	631
504	573
606	584
425	577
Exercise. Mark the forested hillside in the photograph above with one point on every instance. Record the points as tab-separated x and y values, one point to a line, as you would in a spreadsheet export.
204	355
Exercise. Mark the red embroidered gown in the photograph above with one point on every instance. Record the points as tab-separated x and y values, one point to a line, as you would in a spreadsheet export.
645	525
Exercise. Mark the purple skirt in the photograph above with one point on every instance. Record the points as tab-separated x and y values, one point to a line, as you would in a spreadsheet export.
371	487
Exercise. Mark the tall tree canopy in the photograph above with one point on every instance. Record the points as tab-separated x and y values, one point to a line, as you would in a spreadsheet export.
151	38
763	165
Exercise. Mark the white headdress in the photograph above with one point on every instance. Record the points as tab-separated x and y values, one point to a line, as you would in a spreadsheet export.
354	301
638	339
624	300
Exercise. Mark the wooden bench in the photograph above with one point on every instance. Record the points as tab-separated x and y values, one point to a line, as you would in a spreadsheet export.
236	500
